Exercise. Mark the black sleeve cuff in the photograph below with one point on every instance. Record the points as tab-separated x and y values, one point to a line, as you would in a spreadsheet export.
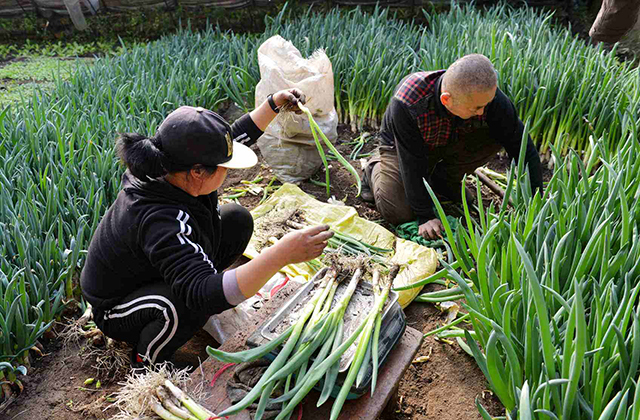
245	131
215	299
422	219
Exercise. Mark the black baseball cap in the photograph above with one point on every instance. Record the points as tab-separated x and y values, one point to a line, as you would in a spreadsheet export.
196	135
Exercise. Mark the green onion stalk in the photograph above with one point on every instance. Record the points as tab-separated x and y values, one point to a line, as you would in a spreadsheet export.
171	403
453	293
316	131
358	145
381	292
162	411
497	177
280	361
333	371
433	278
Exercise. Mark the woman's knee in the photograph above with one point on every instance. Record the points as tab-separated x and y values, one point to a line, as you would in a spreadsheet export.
237	216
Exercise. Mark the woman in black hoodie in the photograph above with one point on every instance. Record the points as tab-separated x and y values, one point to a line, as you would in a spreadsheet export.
154	271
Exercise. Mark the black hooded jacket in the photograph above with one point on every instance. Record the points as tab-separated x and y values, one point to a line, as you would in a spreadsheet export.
156	232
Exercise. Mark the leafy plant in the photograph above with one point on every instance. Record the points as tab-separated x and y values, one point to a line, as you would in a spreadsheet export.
552	287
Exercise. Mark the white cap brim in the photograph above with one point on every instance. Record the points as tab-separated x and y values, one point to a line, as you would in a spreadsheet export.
242	157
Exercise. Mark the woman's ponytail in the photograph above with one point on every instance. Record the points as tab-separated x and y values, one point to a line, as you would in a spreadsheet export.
141	155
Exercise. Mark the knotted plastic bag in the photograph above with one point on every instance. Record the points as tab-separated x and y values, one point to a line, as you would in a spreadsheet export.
287	144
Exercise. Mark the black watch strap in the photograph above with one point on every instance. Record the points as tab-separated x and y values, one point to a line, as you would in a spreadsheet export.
272	103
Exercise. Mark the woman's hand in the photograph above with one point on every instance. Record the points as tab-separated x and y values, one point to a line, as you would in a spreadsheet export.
289	99
303	245
299	246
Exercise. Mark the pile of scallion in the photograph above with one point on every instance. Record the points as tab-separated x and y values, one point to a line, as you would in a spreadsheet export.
312	348
552	287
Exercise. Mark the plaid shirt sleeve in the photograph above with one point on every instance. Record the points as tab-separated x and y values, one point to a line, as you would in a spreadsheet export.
507	128
413	159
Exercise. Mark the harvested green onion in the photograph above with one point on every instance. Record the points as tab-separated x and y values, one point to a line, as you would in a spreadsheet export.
316	131
282	357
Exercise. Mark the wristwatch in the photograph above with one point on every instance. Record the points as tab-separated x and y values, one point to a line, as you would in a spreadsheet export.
272	103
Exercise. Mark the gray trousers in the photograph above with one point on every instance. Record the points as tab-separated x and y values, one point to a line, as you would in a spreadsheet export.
614	20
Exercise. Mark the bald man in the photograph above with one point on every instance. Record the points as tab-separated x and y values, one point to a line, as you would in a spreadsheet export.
441	125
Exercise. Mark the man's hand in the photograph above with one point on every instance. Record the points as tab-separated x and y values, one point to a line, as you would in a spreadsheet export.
289	99
303	245
431	230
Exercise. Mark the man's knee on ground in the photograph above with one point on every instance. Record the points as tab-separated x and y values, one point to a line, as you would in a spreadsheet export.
393	214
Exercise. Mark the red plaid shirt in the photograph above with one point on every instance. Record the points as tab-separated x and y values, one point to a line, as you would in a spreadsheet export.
421	91
423	131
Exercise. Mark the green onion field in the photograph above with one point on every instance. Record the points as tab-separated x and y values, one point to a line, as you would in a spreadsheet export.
551	284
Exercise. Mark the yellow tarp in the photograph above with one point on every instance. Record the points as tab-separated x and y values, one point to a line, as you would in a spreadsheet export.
420	261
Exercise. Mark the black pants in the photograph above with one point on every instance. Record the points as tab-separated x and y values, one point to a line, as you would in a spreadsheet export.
153	319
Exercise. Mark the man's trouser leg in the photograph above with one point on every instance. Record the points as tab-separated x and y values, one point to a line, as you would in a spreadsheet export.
156	321
388	188
614	20
452	163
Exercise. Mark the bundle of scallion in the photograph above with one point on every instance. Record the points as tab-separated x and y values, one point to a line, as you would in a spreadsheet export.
158	391
322	335
171	403
316	131
350	246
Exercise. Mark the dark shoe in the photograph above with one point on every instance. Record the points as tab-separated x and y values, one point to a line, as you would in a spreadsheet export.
138	364
365	192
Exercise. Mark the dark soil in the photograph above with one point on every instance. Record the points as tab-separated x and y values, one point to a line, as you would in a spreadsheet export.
55	383
444	387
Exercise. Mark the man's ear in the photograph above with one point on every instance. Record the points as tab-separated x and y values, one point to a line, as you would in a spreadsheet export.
445	99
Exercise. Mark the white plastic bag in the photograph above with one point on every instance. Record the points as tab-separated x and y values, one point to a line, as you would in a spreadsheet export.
287	144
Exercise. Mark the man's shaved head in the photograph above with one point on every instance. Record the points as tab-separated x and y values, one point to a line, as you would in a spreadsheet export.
470	74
